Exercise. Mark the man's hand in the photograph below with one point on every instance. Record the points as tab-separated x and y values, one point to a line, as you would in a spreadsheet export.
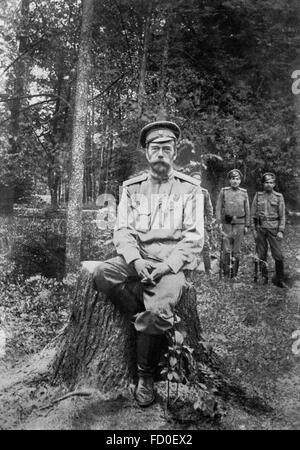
246	229
279	236
160	270
254	232
142	268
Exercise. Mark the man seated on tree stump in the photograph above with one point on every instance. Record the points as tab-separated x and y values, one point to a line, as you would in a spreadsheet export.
158	234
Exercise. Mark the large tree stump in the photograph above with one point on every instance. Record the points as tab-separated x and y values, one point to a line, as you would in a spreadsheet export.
98	347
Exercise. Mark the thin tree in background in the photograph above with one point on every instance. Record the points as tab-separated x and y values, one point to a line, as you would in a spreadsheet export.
74	215
162	112
7	191
147	35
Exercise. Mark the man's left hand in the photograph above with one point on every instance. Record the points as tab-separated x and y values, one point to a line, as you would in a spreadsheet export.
279	235
246	229
160	270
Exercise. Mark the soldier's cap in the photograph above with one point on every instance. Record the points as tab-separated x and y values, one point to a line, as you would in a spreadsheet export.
234	173
161	131
268	175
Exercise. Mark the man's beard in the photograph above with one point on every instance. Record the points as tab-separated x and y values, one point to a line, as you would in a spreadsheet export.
161	168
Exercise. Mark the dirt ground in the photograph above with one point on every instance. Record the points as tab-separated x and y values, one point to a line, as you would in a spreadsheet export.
255	329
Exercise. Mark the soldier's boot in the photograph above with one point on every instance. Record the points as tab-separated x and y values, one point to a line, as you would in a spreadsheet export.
264	272
231	266
236	266
148	355
226	265
279	278
207	263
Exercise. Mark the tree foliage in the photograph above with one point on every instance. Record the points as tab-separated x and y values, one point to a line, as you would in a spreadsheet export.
221	69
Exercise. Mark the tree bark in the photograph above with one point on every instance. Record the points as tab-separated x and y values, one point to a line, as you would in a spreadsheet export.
74	227
98	348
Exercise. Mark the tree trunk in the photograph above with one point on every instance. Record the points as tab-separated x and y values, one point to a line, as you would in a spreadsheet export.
162	112
6	200
141	90
98	348
74	226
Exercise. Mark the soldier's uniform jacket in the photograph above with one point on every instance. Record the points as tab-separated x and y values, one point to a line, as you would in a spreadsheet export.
233	203
161	221
268	211
208	208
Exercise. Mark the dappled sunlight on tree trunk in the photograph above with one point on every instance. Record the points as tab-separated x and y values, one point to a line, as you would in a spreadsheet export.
74	222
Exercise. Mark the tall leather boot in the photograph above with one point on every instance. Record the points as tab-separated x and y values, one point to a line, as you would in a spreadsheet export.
279	278
206	262
148	356
264	271
236	265
226	265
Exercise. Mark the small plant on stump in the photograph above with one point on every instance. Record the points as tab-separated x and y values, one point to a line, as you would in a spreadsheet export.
193	399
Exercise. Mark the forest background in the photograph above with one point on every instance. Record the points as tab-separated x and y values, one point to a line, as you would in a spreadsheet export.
221	69
225	71
78	80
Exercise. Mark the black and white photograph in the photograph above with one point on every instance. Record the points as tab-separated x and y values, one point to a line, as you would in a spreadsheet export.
150	218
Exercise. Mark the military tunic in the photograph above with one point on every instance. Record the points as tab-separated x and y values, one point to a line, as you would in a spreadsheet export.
160	222
268	218
233	211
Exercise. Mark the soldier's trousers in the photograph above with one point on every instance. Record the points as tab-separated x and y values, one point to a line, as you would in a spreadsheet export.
232	241
265	236
153	311
206	252
233	238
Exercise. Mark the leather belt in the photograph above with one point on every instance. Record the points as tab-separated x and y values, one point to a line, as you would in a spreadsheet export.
272	219
238	217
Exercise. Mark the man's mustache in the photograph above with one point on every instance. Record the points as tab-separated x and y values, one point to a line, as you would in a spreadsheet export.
160	161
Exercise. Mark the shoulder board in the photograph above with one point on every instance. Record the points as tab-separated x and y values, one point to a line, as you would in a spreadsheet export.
137	179
226	188
242	189
277	193
183	176
260	193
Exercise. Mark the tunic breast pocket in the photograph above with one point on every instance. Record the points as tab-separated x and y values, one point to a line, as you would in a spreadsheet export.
273	207
261	206
142	217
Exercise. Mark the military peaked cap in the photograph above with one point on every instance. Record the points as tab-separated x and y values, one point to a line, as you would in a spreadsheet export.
268	175
161	131
234	173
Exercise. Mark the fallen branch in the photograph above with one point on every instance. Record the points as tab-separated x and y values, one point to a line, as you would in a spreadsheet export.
64	397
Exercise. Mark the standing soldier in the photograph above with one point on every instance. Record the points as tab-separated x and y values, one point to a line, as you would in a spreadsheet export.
268	224
208	218
233	216
159	233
